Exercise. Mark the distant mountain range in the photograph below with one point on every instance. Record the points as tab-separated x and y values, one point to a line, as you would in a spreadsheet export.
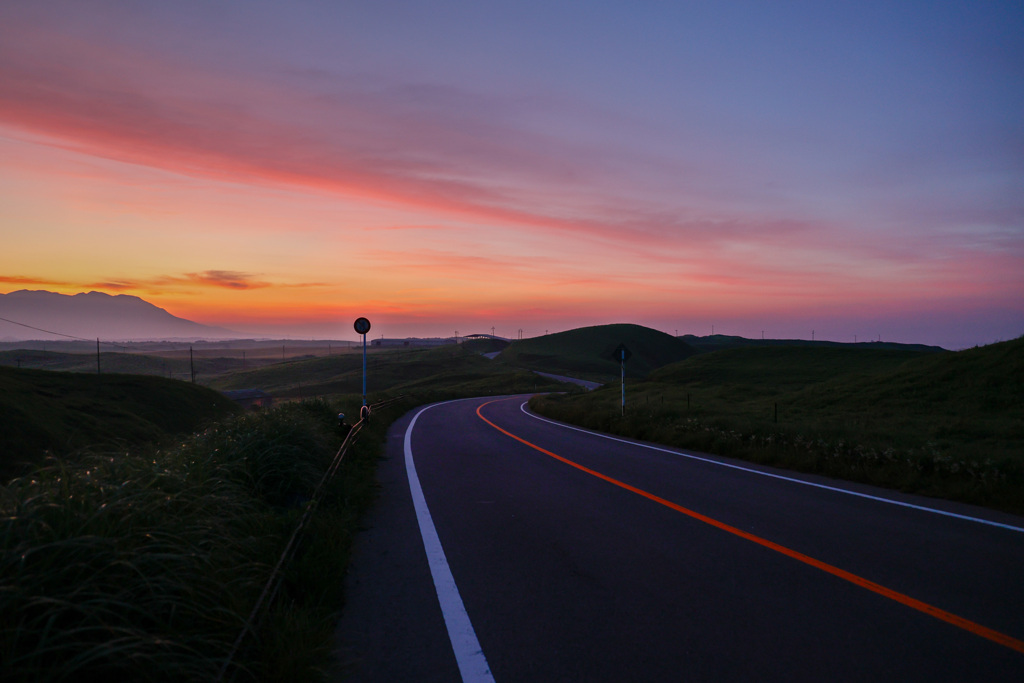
48	315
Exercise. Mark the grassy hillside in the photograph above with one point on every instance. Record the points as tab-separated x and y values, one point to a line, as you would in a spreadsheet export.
145	564
586	352
946	424
61	412
446	368
177	366
745	373
720	342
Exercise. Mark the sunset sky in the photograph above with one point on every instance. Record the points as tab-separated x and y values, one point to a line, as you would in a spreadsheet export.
276	168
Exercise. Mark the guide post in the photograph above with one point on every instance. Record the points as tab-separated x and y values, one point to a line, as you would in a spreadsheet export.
622	354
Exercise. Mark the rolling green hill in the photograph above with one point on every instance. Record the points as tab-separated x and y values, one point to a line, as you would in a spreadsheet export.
61	412
743	373
720	342
586	352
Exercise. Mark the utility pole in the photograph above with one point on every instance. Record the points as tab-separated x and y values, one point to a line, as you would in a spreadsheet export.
97	354
192	364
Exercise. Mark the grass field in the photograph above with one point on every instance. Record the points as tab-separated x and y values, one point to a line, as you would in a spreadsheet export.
721	342
144	564
389	372
173	362
60	412
943	424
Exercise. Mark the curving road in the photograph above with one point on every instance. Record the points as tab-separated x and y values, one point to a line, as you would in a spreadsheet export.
561	555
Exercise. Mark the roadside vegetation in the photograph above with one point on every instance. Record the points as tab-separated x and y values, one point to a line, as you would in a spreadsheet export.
946	424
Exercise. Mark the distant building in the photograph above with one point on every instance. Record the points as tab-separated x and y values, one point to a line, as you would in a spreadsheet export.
250	399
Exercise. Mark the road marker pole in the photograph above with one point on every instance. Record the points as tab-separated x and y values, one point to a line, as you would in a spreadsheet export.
622	367
622	354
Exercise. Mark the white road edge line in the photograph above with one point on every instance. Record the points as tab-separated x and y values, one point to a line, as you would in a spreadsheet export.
979	520
468	654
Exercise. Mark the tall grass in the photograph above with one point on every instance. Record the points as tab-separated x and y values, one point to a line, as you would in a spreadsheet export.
143	565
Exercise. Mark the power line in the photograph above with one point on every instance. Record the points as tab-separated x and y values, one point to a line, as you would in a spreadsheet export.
60	334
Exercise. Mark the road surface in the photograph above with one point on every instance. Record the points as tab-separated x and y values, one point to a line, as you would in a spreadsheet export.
576	557
586	384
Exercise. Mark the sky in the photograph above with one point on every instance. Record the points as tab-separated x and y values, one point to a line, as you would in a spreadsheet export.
847	170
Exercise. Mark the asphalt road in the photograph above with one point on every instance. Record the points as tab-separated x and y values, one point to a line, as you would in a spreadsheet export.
586	384
668	568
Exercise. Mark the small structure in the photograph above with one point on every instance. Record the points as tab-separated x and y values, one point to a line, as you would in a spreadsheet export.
250	399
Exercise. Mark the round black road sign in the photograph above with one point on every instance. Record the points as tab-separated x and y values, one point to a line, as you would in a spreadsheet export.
362	325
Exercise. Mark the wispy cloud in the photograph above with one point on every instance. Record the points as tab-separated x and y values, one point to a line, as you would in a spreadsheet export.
439	148
226	278
210	279
33	281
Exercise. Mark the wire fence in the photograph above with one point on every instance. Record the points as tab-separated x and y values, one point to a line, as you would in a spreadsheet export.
273	584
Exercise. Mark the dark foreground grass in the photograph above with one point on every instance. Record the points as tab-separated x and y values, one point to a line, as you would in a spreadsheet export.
144	565
942	424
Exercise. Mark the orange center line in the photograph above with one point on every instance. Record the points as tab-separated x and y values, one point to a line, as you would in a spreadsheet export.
924	607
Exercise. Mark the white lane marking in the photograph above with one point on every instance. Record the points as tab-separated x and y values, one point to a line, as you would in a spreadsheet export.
468	653
979	520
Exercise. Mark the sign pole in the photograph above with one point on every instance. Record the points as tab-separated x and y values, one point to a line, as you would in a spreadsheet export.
362	326
622	364
622	354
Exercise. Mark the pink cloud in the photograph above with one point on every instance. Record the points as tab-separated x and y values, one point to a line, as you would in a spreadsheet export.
32	281
432	148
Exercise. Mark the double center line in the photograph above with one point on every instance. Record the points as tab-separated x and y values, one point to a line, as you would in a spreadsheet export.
931	610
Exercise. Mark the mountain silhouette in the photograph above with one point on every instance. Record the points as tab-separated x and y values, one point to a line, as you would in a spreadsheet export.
95	315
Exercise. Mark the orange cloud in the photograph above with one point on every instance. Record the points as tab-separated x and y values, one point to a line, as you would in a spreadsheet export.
32	281
226	278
